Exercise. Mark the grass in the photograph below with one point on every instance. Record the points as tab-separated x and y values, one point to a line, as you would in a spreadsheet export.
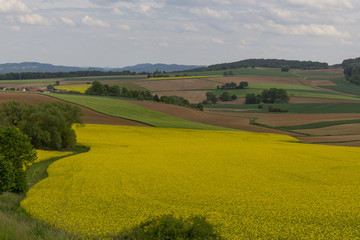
309	108
318	125
15	224
344	86
119	108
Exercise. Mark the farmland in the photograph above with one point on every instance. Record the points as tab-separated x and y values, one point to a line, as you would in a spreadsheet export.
127	177
149	158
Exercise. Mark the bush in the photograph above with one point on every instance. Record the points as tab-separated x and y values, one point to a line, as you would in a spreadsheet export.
169	227
274	109
251	98
16	152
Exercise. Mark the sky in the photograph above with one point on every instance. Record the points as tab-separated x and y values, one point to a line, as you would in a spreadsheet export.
118	33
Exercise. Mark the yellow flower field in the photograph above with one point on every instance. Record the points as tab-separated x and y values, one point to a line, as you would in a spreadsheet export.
44	155
250	185
79	88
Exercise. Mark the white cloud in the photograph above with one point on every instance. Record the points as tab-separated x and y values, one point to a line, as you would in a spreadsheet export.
124	27
322	4
117	11
94	22
13	6
346	42
163	44
68	21
311	29
207	12
218	41
15	28
190	28
33	19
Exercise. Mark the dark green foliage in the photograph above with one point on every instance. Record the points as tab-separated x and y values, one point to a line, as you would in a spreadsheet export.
42	75
275	109
233	85
352	70
260	106
275	95
168	227
50	87
285	69
268	63
16	152
48	125
211	98
225	96
98	88
252	98
243	85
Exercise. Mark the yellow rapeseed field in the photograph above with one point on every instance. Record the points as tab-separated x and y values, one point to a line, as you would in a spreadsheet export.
250	185
79	88
44	155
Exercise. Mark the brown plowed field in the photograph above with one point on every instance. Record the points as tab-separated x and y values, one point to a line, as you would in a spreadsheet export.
240	123
175	85
90	116
258	80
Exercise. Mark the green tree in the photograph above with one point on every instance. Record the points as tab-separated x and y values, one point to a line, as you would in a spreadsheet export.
275	95
243	85
48	125
96	89
211	97
225	96
50	87
251	98
16	152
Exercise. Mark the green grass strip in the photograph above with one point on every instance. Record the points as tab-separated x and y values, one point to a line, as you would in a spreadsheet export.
318	125
119	108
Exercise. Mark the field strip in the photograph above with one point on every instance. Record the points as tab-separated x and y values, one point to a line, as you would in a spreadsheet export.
251	186
319	124
123	109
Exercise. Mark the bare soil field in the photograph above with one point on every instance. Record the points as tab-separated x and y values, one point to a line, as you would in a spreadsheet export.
179	84
259	80
90	116
319	100
344	129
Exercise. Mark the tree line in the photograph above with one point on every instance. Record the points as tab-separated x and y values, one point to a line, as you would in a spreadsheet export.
42	75
100	89
269	63
352	70
24	127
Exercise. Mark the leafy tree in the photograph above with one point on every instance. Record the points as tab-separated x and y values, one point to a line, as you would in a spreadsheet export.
243	85
114	90
285	69
96	89
211	97
57	83
275	95
50	87
225	96
48	125
16	152
251	98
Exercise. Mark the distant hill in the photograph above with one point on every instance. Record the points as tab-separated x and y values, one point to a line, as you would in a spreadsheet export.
41	67
271	63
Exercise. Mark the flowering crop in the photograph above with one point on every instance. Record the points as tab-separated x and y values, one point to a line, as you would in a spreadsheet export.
44	155
250	185
79	88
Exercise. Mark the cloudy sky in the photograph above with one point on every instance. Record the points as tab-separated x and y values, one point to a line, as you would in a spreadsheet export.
117	33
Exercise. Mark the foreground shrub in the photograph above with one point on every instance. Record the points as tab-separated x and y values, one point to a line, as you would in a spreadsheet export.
170	227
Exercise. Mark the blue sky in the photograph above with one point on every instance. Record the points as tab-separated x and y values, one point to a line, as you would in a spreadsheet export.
114	33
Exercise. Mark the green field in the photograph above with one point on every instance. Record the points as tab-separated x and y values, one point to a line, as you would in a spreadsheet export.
318	125
344	86
118	108
309	108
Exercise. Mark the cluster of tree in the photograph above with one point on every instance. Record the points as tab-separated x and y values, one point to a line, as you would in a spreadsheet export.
352	70
48	125
16	152
270	63
275	109
42	75
272	95
228	73
211	98
157	73
233	85
100	89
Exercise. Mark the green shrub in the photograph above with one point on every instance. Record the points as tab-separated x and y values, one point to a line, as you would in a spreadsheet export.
168	227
